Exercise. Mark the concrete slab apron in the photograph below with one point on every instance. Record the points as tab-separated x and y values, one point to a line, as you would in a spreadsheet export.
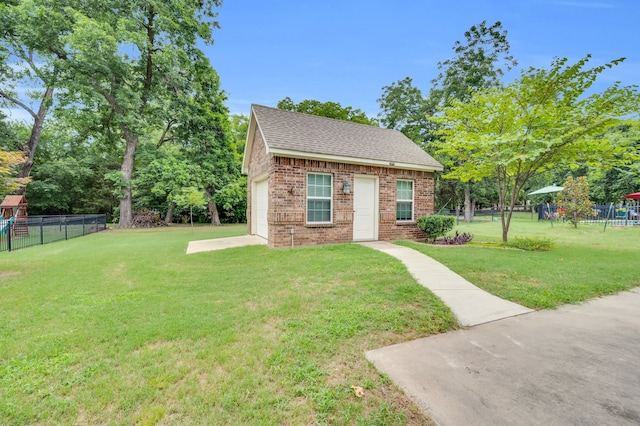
224	243
577	365
470	304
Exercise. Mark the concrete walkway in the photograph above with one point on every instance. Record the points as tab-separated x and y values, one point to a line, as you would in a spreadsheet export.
576	365
470	304
224	243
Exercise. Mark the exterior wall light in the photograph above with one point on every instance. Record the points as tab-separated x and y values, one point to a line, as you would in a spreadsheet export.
346	188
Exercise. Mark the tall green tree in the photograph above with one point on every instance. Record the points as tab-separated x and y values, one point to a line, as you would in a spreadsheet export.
543	120
30	52
239	129
479	62
197	148
121	63
327	109
232	198
68	175
128	61
404	108
162	175
206	136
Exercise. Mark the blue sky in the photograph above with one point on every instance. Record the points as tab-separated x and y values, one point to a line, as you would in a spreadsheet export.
346	50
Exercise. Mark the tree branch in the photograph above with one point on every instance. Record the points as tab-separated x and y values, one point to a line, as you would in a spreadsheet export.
19	103
163	137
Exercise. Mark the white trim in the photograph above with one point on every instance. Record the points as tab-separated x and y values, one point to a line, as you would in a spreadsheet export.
413	200
351	160
306	207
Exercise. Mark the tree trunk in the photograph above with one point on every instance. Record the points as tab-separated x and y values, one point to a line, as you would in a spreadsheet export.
505	231
213	209
468	204
169	217
34	138
506	221
128	160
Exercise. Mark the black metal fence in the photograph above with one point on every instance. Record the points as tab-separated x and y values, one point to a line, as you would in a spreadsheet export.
611	214
482	215
46	229
600	214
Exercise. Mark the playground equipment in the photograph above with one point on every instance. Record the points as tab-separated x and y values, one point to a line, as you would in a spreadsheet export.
14	214
4	224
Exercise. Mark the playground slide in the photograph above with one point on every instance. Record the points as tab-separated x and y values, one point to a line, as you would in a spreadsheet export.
4	224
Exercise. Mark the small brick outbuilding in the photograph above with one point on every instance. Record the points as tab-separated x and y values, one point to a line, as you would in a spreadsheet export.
314	180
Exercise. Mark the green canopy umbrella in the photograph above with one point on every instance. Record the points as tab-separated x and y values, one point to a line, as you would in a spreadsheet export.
547	190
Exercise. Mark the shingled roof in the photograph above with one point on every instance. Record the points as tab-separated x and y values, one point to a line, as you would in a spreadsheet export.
292	134
14	201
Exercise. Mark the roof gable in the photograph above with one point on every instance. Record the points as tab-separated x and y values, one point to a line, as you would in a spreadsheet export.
292	134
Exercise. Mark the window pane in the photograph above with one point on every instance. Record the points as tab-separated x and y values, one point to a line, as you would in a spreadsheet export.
319	198
404	210
405	190
318	186
318	210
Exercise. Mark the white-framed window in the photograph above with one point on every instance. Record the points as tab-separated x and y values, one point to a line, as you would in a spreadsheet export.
319	198
404	200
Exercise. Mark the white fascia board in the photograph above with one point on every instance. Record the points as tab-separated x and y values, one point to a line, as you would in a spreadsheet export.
248	146
351	160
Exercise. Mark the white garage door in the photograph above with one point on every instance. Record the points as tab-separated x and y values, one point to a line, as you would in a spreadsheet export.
262	204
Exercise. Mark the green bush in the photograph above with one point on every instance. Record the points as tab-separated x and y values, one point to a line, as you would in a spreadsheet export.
435	226
531	243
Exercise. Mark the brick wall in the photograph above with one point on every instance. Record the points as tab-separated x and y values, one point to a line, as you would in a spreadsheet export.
287	203
287	199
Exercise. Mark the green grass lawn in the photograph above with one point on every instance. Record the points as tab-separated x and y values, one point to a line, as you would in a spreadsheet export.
121	327
585	262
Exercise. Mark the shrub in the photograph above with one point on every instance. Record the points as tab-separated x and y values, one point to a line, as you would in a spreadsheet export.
574	199
435	226
458	239
531	243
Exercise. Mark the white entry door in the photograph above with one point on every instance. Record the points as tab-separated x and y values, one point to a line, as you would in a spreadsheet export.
262	204
365	201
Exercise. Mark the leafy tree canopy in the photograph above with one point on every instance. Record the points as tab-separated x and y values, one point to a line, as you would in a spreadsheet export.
327	109
479	62
129	67
542	120
9	161
404	108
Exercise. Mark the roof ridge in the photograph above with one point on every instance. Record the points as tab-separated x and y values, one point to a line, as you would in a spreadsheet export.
322	117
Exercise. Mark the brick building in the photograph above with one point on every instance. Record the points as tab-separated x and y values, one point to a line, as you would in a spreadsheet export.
314	180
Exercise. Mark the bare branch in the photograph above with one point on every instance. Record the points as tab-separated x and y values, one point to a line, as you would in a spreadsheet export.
18	102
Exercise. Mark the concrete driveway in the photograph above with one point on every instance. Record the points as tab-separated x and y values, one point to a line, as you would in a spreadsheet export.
224	243
577	365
